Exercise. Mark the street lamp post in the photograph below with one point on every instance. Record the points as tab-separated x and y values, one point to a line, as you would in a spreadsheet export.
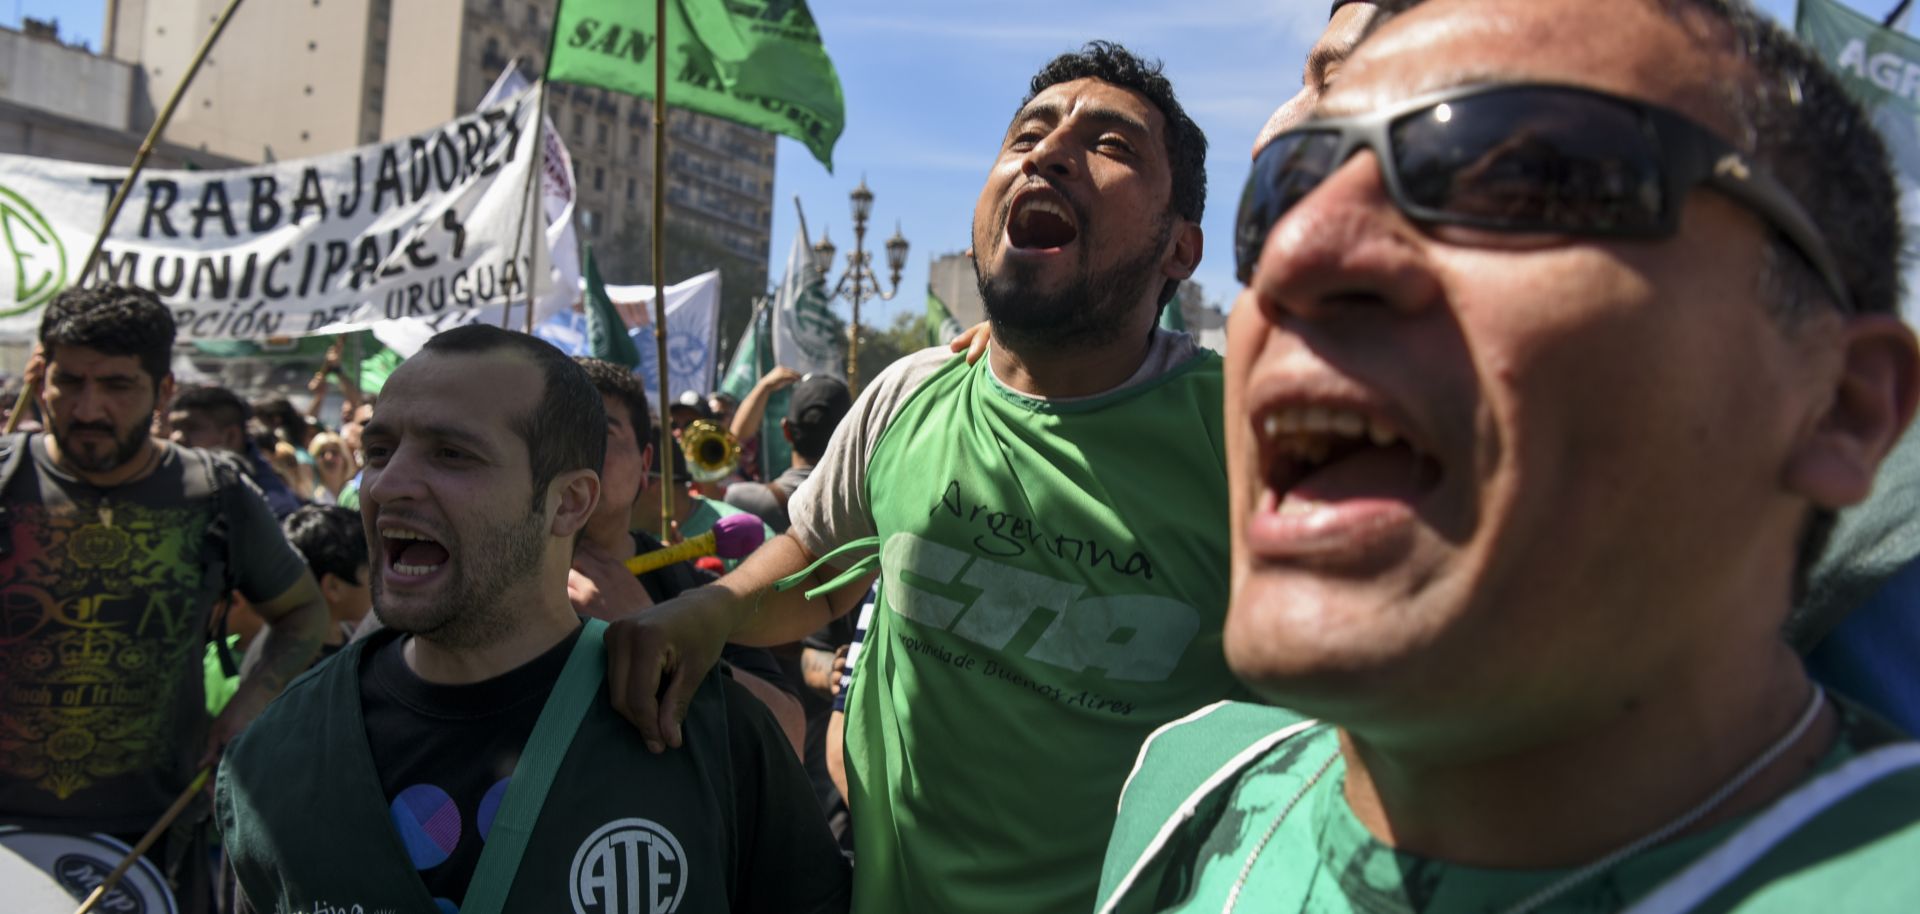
859	282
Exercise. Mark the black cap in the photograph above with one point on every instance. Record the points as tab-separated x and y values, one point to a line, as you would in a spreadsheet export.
818	404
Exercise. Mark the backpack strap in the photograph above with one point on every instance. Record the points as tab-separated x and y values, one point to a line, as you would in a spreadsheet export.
13	453
222	482
553	732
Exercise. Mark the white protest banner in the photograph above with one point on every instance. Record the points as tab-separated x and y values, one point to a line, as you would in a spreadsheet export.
420	226
693	321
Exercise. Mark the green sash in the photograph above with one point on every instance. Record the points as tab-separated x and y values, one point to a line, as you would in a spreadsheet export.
533	774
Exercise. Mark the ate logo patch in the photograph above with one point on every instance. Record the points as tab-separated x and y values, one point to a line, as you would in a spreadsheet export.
628	866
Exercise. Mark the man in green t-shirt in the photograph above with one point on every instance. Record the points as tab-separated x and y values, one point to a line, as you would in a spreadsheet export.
1540	396
1048	523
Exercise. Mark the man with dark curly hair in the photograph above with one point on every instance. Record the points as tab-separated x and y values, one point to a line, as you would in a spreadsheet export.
1048	523
114	547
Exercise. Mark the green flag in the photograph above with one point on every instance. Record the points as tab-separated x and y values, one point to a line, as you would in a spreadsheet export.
1881	69
373	364
754	62
941	327
745	369
607	337
752	359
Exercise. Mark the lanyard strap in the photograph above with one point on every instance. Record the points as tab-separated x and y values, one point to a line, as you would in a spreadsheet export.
1697	884
858	570
533	775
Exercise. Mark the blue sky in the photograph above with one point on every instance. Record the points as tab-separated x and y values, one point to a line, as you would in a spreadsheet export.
930	86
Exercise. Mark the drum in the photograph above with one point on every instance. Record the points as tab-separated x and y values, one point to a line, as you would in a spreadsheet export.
52	873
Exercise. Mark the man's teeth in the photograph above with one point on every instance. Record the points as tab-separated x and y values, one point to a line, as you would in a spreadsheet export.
411	570
1308	428
1044	206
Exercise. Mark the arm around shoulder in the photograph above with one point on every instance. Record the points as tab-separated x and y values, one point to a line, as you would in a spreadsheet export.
657	658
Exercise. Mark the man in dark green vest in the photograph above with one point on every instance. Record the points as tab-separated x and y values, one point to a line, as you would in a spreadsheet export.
466	757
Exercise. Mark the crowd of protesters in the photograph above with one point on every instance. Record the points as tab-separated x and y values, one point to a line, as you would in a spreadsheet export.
1479	576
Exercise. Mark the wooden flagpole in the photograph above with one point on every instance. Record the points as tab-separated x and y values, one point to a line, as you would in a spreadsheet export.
660	262
153	834
31	390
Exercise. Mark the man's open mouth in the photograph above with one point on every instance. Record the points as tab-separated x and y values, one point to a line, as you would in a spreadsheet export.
1040	220
1316	457
412	554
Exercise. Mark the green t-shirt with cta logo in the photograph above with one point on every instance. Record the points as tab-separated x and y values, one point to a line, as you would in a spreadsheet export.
1054	589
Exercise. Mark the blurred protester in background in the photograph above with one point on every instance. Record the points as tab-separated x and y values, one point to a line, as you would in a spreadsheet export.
215	418
333	467
813	411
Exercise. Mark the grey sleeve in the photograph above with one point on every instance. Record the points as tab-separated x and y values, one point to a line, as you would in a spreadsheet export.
831	507
264	563
756	499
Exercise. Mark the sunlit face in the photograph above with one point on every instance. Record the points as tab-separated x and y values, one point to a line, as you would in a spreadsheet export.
1324	62
99	407
623	472
1073	232
1474	470
446	493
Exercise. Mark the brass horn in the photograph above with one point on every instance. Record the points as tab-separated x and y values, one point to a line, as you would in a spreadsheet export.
712	453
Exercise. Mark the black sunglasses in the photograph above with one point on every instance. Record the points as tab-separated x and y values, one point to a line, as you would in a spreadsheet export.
1526	158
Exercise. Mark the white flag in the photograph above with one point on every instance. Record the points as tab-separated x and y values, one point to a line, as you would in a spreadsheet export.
805	335
693	324
557	194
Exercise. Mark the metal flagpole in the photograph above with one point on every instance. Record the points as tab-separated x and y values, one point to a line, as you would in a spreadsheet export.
533	204
763	350
1894	17
536	195
28	393
660	260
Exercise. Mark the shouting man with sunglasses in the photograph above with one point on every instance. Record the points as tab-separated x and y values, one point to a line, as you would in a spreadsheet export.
1567	327
1048	522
